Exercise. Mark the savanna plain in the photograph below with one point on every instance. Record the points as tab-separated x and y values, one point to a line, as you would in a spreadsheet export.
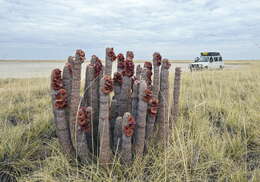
216	137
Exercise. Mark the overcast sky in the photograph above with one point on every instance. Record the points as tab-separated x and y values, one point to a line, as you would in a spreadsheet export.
178	29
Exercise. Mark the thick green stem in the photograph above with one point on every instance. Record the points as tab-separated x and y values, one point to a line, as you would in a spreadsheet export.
153	104
59	103
176	95
84	116
139	135
67	84
135	98
110	57
105	152
126	89
75	92
156	73
127	132
162	117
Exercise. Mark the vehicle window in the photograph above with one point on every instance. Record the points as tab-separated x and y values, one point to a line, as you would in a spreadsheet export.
215	59
211	59
203	59
220	59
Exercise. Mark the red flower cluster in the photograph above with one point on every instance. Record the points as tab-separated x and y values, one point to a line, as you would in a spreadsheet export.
69	66
120	57
128	131
60	99
131	122
121	61
81	54
129	128
129	68
56	81
158	58
108	86
111	54
148	65
147	95
149	72
97	67
84	118
129	55
118	78
153	103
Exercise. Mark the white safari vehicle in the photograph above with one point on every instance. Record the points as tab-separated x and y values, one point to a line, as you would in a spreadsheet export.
207	60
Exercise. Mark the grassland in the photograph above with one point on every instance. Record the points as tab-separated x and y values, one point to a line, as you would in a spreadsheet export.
217	136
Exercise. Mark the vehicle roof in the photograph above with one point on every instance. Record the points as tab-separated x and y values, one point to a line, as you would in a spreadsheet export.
210	54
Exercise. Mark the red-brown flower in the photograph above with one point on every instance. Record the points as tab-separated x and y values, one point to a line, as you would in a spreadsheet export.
120	61
56	81
120	57
81	54
158	58
111	54
153	103
84	118
118	78
61	99
108	85
147	95
69	66
131	122
128	131
148	65
97	67
149	74
129	68
81	116
88	119
129	55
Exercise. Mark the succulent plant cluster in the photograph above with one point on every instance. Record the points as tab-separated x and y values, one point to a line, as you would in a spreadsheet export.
96	125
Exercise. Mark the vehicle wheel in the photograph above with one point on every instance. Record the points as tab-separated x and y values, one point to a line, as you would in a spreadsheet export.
206	67
221	67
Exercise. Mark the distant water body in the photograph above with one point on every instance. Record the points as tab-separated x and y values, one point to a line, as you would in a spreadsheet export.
30	69
27	69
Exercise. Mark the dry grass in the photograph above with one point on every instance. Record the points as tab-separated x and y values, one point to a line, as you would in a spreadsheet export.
217	137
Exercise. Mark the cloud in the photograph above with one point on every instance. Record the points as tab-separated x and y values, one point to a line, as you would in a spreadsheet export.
179	29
